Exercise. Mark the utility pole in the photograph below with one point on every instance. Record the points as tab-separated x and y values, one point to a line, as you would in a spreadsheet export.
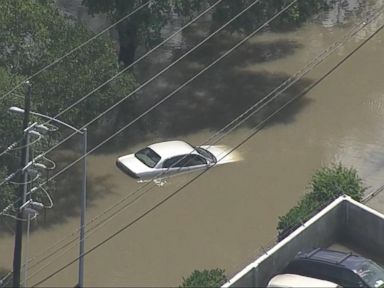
83	198
21	195
82	211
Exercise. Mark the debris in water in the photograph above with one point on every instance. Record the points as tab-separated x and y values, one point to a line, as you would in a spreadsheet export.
160	182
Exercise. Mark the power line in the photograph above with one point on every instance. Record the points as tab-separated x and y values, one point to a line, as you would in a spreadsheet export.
125	69
238	15
201	72
138	59
13	147
77	48
217	60
239	116
165	98
156	75
255	130
255	111
168	96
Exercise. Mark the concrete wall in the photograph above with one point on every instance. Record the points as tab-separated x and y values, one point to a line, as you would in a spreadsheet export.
365	228
320	233
322	230
343	220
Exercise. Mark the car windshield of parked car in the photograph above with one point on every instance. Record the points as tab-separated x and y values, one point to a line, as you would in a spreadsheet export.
206	153
148	157
370	272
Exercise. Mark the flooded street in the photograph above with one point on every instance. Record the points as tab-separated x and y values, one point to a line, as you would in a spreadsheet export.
225	217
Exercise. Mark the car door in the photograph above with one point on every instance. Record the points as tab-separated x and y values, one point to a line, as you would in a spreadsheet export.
193	162
172	165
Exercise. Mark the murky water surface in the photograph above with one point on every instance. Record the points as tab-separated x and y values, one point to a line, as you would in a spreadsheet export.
223	218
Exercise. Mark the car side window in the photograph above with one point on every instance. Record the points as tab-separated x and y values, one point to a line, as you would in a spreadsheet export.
193	160
174	162
350	279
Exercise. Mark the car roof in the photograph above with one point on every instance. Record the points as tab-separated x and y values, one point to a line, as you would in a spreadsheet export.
329	256
171	148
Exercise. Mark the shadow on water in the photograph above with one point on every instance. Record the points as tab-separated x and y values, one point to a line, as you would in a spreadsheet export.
210	102
250	53
216	106
214	99
65	193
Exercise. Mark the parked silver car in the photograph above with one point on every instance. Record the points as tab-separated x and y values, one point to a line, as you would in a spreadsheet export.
164	159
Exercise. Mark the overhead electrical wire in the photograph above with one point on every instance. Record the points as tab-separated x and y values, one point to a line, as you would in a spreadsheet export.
72	51
138	59
229	51
11	147
227	125
137	9
255	130
153	77
190	51
126	68
166	97
157	74
180	87
217	60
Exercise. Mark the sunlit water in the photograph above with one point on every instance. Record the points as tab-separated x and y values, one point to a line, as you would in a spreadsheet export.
225	217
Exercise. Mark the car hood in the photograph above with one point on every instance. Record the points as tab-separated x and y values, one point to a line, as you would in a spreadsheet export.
134	164
223	153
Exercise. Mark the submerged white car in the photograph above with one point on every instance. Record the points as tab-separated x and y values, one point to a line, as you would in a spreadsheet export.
165	159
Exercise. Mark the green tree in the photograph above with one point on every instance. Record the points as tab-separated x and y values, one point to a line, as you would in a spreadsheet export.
206	278
33	35
326	184
331	182
144	27
9	129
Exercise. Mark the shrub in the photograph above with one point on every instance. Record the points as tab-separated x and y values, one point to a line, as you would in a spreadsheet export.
205	278
326	184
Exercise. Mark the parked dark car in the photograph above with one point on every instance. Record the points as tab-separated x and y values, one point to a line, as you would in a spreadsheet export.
345	269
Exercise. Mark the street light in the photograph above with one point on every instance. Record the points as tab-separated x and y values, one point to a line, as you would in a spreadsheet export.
83	132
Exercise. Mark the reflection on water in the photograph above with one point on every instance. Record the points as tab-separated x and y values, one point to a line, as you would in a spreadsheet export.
341	11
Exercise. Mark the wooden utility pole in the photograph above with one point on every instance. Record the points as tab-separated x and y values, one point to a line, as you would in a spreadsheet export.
21	195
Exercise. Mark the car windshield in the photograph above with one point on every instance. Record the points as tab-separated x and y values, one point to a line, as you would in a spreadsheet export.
206	153
369	271
148	157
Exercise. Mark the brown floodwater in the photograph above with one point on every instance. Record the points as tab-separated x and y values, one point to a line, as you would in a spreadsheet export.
226	217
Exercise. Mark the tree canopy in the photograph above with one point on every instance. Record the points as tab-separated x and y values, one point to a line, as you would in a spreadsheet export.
35	34
326	184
